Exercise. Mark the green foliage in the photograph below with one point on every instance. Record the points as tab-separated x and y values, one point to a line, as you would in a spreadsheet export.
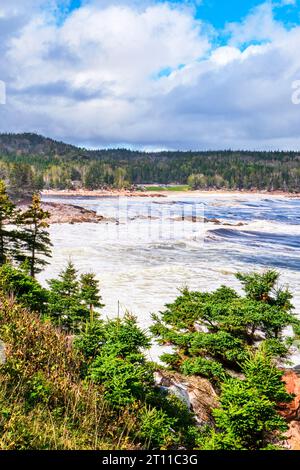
260	287
23	287
248	418
171	188
23	181
23	235
263	375
90	293
52	164
198	181
124	338
36	243
214	332
114	355
8	236
44	403
124	380
156	427
65	305
115	348
90	341
278	348
97	175
38	390
167	424
211	369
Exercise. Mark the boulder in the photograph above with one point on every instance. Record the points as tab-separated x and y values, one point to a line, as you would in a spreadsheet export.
196	392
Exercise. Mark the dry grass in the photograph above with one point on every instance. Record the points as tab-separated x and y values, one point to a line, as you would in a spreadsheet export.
44	403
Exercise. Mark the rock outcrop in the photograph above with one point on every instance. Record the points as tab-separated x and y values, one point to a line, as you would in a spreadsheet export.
61	213
291	411
196	392
293	436
70	214
201	398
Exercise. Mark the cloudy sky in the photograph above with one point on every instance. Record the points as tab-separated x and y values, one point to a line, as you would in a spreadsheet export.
152	74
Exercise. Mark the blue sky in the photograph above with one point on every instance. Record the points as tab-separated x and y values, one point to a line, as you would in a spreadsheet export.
153	74
220	12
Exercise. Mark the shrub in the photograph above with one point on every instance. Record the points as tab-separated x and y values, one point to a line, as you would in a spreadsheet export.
28	292
44	403
212	333
248	417
114	352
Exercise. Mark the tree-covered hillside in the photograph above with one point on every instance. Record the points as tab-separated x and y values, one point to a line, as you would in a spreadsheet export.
29	161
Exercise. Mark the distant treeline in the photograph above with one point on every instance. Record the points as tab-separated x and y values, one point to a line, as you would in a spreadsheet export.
31	162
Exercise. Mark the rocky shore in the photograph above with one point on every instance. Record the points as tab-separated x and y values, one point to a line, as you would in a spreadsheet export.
61	213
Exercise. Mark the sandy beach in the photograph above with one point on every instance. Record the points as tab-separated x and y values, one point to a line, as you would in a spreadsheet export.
155	194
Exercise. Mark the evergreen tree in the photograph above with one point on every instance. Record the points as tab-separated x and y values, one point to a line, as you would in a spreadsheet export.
35	237
248	417
212	332
90	293
121	167
93	178
8	237
65	302
21	181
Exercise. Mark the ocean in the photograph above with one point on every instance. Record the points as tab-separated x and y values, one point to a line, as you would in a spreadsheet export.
154	247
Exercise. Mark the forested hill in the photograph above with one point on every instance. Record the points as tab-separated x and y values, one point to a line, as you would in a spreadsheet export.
34	144
30	161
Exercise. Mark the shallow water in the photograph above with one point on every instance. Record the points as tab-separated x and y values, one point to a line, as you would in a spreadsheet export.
156	248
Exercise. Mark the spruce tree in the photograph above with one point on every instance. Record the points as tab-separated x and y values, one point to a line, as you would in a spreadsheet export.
90	293
65	302
21	181
8	237
248	414
35	236
212	332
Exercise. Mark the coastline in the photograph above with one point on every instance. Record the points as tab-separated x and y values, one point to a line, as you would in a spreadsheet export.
64	213
71	212
100	193
155	194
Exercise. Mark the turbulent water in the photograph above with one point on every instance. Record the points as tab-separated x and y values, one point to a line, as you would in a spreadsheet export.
156	246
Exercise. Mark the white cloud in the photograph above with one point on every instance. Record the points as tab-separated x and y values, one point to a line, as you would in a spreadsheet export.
259	25
149	76
224	55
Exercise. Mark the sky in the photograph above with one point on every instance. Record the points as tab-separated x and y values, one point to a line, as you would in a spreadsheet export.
153	74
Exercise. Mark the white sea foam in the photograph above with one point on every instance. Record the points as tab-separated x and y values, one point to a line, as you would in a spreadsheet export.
140	273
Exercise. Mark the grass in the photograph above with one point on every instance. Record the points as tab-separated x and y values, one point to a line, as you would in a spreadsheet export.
44	403
179	188
48	402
